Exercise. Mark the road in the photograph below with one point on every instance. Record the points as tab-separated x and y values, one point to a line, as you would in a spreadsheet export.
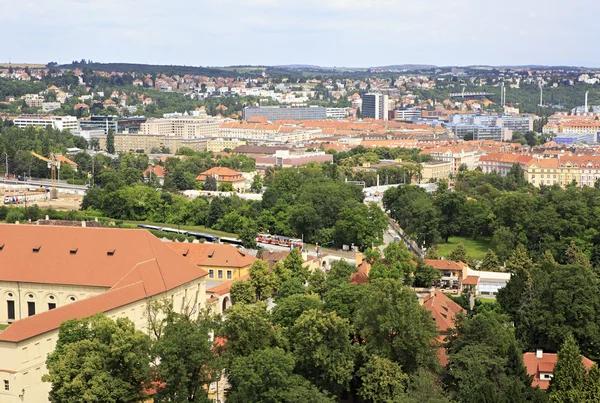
62	186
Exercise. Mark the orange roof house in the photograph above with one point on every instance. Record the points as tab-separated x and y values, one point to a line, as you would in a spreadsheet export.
222	262
222	174
541	366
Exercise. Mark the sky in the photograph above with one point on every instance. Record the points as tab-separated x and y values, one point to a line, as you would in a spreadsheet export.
350	33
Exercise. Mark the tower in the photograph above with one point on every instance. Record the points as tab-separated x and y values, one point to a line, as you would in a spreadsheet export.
585	109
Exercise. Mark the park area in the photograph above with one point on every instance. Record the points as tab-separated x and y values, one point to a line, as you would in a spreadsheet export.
476	248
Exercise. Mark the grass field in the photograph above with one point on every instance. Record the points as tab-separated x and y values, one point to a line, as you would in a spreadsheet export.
476	248
193	228
2	327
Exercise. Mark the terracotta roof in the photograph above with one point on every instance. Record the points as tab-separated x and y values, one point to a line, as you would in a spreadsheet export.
443	310
157	170
224	174
546	364
471	280
97	257
141	266
214	255
445	264
273	257
224	288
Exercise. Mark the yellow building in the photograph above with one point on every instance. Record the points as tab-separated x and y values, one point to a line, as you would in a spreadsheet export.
219	144
437	170
222	262
562	171
49	275
148	142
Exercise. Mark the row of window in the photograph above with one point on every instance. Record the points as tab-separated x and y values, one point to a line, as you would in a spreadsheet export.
10	308
211	274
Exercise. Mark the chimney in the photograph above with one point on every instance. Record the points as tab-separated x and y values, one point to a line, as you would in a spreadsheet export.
359	258
539	353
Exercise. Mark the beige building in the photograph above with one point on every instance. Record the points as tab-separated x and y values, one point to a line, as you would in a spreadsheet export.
436	170
183	127
147	142
585	171
49	275
220	144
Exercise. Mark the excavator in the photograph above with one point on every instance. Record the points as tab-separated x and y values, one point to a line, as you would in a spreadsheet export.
54	167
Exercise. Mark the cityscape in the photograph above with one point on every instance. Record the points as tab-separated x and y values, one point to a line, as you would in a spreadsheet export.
198	227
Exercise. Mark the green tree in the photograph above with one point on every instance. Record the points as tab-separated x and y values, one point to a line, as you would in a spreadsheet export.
118	354
567	384
246	328
266	376
395	326
262	279
295	264
490	262
110	141
257	184
459	253
321	345
210	183
187	359
290	308
242	292
382	381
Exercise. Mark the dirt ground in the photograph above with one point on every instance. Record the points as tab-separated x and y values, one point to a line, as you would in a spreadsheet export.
64	202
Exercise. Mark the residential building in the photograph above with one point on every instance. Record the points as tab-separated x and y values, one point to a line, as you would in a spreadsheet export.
287	159
374	106
56	122
51	274
225	175
337	113
407	114
541	365
292	112
574	138
456	155
149	142
222	262
435	170
50	106
221	143
33	100
184	127
502	163
485	282
452	273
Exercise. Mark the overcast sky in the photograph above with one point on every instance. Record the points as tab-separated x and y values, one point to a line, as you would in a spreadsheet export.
356	33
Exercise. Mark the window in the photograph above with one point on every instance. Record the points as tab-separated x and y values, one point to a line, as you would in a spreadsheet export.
30	308
10	305
6	385
51	306
229	275
220	273
211	273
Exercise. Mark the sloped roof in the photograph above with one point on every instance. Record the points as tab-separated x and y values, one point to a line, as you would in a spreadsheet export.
545	364
445	264
443	310
217	255
140	266
97	257
224	288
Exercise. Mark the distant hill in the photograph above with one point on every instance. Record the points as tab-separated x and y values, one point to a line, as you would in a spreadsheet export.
407	67
154	68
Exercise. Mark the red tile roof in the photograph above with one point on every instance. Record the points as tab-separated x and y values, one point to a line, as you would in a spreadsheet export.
546	364
214	255
443	310
224	288
140	266
445	264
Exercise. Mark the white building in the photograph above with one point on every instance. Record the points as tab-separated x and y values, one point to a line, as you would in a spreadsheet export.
56	122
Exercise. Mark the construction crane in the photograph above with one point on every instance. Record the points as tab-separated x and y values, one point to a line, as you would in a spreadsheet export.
54	167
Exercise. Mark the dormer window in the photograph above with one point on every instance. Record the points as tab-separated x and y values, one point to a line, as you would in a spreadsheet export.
73	251
37	249
111	252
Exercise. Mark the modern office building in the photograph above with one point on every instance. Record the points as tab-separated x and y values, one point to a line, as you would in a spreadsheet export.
115	123
489	127
292	112
56	122
573	138
407	114
337	113
374	106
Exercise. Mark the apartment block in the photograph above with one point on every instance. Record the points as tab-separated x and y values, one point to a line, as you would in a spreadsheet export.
56	122
183	127
293	112
148	142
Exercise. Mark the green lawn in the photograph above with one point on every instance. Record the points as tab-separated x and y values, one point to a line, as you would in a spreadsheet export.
2	327
476	248
193	228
